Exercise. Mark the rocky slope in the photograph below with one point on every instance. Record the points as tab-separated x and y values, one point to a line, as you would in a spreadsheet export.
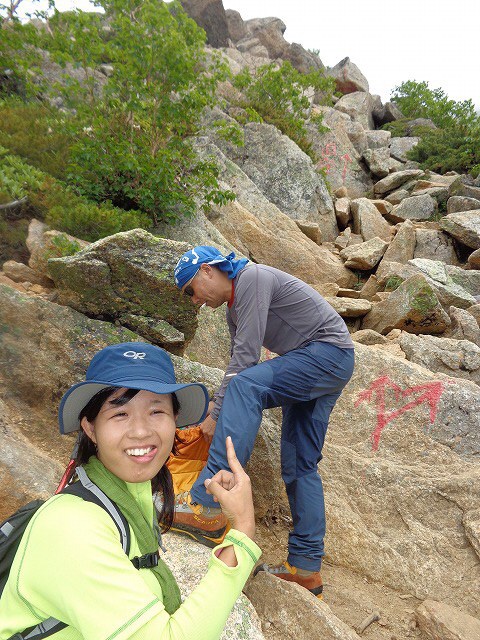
396	251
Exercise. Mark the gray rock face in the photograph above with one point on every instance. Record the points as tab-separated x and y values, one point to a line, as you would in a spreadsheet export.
128	272
459	358
468	191
348	77
368	222
434	245
364	256
412	307
350	307
210	15
393	435
378	161
342	211
259	229
464	326
339	156
19	272
378	138
388	112
402	247
440	621
302	59
456	286
236	26
461	203
358	106
279	602
414	208
464	226
395	180
269	32
286	176
399	147
44	243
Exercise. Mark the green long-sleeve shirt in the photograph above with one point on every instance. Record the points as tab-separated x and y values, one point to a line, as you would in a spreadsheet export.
70	566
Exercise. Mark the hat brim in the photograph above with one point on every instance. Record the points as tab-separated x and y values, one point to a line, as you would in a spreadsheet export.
193	399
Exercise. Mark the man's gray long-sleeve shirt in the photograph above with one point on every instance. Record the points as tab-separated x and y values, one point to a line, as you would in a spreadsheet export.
280	312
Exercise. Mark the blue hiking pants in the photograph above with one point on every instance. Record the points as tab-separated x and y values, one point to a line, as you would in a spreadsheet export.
306	383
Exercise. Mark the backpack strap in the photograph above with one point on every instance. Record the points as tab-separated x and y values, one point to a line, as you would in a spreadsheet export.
89	491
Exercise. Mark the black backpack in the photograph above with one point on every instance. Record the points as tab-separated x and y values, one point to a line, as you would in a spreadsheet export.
12	530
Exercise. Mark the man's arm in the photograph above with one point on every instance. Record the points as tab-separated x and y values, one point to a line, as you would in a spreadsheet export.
253	296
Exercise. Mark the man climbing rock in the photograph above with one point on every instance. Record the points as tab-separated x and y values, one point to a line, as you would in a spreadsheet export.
266	306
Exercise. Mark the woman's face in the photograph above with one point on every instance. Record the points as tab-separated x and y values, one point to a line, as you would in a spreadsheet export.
135	439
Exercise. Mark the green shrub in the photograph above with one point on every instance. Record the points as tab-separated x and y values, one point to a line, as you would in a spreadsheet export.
278	96
59	206
132	140
443	150
29	131
65	211
455	145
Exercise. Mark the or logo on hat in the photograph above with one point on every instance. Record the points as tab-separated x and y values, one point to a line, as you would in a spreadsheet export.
136	355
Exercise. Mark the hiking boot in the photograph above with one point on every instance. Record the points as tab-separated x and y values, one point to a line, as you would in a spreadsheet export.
311	580
206	525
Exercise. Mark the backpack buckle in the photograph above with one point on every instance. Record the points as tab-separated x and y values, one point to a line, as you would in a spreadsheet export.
147	561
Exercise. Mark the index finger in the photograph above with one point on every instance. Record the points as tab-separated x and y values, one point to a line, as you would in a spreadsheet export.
233	461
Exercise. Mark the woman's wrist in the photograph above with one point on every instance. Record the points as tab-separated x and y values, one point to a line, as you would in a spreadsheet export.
246	526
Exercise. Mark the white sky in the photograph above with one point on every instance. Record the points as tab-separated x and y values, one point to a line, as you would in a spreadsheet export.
432	40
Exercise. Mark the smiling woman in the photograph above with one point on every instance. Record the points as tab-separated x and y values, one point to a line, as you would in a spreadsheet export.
70	568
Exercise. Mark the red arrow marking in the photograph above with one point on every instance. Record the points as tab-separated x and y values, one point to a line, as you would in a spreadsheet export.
430	393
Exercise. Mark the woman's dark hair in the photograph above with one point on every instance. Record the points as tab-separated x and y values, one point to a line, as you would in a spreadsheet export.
162	482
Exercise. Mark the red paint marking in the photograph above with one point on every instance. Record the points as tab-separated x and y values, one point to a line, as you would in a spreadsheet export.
346	159
329	151
430	393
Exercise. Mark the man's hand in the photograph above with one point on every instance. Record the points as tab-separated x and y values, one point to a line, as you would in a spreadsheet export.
208	428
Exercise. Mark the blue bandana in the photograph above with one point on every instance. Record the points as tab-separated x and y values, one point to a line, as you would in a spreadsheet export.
190	262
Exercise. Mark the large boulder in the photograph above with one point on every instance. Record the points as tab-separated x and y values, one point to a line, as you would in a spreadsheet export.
433	244
378	161
461	203
340	150
288	612
399	147
210	15
364	256
127	273
456	286
395	180
285	175
269	32
414	208
402	247
440	621
459	358
236	26
401	476
382	114
368	221
463	326
45	243
348	77
464	226
260	230
359	107
413	307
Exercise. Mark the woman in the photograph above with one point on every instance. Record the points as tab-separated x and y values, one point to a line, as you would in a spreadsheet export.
70	564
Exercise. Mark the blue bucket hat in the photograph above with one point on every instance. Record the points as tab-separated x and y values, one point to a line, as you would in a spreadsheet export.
134	365
189	264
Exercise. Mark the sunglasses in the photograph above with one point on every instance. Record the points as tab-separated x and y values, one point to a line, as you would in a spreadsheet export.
188	291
